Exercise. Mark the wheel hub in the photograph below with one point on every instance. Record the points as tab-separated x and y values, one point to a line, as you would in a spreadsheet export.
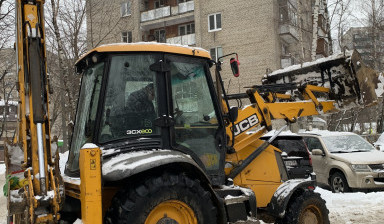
338	185
311	215
172	212
167	221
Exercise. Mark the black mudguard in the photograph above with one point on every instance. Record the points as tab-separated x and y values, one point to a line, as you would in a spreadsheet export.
283	194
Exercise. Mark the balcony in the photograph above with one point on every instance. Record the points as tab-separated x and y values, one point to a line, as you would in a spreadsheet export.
167	11
289	33
156	14
183	8
189	39
287	61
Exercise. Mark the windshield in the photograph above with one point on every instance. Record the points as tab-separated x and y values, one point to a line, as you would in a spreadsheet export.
347	143
86	113
130	107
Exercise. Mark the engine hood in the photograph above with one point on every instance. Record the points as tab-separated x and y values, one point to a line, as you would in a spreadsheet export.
372	157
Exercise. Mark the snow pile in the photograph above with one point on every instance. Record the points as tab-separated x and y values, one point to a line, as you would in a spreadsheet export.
380	86
63	161
123	163
355	207
312	63
78	221
325	133
283	133
2	169
16	154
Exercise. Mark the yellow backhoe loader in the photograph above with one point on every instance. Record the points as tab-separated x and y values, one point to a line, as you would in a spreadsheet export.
155	138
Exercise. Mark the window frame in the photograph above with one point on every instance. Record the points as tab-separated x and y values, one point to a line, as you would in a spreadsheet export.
216	52
165	35
125	8
185	26
160	2
215	102
215	28
182	1
128	36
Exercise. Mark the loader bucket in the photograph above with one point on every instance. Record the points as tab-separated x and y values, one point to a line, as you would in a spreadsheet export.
351	82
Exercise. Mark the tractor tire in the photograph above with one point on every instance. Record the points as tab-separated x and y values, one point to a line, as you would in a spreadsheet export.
169	198
307	208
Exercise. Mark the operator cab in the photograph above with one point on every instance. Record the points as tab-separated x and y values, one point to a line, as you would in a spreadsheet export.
149	96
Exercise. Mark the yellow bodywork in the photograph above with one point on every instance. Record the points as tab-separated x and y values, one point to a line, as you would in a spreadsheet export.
263	175
147	47
90	186
30	25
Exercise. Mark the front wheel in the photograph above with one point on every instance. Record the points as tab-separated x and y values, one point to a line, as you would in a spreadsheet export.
308	208
169	198
339	183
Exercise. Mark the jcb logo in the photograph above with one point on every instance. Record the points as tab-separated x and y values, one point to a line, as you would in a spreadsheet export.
246	124
137	132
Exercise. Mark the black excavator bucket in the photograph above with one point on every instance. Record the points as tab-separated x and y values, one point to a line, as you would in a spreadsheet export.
351	82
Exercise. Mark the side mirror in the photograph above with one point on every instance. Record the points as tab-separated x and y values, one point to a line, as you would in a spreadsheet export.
235	66
233	114
317	152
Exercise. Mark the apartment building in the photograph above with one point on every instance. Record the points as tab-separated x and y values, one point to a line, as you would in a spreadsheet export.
369	43
267	34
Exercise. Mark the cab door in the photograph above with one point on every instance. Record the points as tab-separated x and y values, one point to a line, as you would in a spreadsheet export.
198	128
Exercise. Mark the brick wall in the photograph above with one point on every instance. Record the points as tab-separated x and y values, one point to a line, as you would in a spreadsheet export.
249	28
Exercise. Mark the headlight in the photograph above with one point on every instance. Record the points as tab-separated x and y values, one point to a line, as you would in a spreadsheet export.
360	168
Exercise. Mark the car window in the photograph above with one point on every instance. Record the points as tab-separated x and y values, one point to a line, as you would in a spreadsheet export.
347	143
293	147
313	143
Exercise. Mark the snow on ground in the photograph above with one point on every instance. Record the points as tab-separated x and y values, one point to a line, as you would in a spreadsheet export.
2	169
3	200
347	208
357	207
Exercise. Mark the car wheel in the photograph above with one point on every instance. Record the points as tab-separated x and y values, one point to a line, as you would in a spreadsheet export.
339	183
169	198
307	208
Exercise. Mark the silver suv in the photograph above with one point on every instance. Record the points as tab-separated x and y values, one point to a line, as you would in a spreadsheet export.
345	161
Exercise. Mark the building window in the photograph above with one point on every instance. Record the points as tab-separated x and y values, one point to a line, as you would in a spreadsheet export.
160	36
126	8
216	53
181	1
186	29
159	3
126	37
214	21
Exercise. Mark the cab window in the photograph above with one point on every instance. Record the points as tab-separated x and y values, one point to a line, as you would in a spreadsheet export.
130	106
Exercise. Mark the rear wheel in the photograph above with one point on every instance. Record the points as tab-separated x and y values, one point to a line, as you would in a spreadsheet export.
339	183
308	208
169	198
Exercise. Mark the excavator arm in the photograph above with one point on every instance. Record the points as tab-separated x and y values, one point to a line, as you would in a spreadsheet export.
319	87
324	86
38	198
